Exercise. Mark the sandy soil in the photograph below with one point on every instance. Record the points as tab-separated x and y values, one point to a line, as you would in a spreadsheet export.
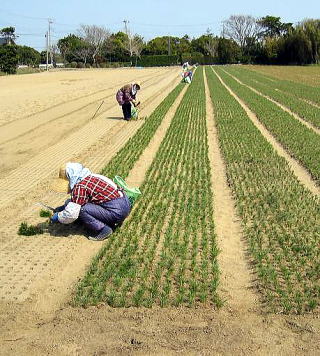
50	116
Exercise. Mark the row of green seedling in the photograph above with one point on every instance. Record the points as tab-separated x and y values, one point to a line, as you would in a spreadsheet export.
305	110
167	254
280	217
299	90
301	142
125	159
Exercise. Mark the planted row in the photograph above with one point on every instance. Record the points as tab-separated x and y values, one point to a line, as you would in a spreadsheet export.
280	217
166	254
300	141
299	90
305	110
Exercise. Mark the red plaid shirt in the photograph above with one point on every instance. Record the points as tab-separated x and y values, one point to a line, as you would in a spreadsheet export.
93	190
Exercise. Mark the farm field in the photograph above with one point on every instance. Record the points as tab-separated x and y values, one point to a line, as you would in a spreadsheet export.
220	254
309	75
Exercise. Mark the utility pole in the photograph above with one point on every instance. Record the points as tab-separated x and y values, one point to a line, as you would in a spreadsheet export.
47	46
49	39
129	37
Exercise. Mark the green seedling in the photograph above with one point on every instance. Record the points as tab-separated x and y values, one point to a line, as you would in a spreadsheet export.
45	213
29	230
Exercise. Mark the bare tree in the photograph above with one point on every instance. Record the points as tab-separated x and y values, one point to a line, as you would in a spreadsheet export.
137	45
212	44
240	27
95	36
83	52
54	50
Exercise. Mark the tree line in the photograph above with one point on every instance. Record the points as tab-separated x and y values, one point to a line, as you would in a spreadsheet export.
244	39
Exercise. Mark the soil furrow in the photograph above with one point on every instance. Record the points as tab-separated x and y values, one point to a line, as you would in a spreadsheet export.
235	279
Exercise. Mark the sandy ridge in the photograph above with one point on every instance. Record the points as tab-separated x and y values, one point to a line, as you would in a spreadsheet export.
235	279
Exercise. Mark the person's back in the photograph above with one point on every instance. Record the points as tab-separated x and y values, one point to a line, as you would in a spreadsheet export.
95	200
126	96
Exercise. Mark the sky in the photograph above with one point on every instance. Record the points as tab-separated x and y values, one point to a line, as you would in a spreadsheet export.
148	18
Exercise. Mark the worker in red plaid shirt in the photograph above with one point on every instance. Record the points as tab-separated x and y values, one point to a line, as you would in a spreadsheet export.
95	200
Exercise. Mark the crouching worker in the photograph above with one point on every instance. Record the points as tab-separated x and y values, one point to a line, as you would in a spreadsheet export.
96	201
126	96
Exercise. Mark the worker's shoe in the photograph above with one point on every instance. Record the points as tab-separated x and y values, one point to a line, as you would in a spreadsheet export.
102	235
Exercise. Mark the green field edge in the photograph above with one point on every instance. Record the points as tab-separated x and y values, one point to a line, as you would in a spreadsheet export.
300	90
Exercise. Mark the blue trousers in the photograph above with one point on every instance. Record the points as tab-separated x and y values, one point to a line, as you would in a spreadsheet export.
112	213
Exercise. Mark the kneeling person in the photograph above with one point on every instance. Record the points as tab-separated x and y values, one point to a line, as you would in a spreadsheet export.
95	200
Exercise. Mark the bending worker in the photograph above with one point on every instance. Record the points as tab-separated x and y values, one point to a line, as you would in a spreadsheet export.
95	200
126	96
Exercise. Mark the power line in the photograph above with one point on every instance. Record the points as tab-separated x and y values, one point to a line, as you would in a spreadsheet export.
29	34
25	16
175	25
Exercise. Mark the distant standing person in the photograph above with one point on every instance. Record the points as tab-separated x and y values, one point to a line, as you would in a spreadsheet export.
185	66
126	96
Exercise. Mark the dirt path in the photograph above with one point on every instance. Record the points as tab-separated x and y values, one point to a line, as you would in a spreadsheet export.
284	108
300	172
41	325
235	276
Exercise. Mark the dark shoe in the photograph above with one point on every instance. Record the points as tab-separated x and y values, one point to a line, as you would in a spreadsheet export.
102	235
127	119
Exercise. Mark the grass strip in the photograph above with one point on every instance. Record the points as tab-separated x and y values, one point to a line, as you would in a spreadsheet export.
299	90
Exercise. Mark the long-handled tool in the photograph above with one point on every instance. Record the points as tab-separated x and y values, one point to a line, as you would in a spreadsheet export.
47	206
97	110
